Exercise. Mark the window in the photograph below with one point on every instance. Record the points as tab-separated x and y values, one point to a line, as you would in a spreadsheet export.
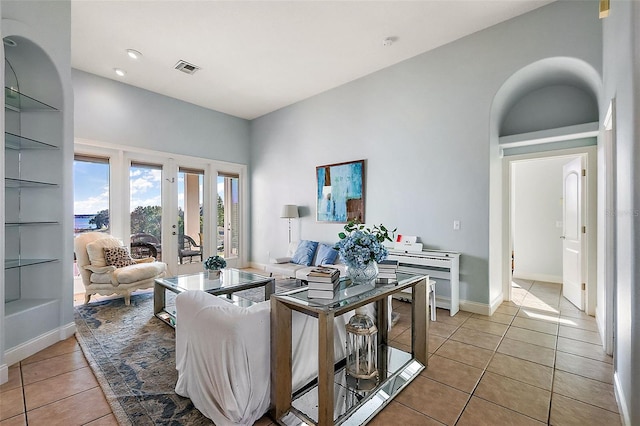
90	194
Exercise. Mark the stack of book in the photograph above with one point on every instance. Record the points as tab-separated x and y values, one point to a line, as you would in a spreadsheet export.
387	269
322	281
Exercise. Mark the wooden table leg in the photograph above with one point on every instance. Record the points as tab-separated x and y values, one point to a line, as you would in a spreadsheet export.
159	298
269	289
325	368
280	358
420	323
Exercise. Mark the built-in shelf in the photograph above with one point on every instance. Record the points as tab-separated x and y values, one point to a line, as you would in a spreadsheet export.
17	142
23	183
19	102
21	263
30	223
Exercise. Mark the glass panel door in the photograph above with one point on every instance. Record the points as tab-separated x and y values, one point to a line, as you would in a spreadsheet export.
145	184
229	212
191	209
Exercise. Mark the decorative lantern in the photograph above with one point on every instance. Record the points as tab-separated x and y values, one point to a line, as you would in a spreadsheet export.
362	343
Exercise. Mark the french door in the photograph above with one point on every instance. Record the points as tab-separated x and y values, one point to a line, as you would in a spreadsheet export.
228	214
177	208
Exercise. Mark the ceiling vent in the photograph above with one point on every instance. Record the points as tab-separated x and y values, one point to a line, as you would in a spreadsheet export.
186	67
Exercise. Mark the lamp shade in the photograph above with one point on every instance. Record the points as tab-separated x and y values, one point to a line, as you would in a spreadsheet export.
289	211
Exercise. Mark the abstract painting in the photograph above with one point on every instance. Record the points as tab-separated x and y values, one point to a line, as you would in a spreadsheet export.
340	193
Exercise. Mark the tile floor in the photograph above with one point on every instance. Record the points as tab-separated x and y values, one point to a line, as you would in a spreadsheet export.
537	360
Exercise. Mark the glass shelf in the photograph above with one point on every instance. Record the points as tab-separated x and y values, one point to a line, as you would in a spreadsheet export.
17	142
23	183
19	263
17	101
29	223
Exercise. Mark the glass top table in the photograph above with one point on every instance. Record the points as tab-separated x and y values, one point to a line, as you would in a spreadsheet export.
230	281
332	399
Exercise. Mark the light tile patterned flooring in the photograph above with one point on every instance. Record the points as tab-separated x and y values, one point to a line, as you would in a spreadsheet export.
537	360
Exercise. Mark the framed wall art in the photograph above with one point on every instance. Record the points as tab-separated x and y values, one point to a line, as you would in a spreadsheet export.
340	192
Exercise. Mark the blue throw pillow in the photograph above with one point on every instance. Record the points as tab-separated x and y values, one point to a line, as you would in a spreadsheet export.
326	255
304	253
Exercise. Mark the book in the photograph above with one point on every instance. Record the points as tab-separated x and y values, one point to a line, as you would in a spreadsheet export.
317	285
320	294
322	271
323	274
390	276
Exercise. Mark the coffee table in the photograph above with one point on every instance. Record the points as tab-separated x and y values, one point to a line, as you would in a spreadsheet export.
231	280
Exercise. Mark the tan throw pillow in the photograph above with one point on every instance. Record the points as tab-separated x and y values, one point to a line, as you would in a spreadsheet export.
95	250
118	257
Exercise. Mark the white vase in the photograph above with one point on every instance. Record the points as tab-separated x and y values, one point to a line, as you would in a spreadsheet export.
214	274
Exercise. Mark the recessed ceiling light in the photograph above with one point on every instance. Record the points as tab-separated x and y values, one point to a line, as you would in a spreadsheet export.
388	41
134	54
120	72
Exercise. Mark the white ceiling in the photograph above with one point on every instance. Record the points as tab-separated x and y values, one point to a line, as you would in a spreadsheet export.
259	56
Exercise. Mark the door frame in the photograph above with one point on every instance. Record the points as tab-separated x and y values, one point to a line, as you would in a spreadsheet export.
605	318
590	153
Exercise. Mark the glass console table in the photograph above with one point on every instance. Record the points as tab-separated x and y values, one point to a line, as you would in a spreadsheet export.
334	398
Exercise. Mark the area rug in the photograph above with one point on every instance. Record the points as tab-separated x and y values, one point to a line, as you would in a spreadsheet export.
132	354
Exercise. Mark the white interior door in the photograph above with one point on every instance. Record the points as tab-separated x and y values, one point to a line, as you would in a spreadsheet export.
572	246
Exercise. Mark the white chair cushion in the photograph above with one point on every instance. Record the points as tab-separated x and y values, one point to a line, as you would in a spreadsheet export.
138	272
95	250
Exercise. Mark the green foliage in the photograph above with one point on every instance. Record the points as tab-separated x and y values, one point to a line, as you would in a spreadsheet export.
220	211
215	262
380	232
147	219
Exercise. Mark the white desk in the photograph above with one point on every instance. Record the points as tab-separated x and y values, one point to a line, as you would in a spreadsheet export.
436	263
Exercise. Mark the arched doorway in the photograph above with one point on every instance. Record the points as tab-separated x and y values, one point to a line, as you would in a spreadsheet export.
564	93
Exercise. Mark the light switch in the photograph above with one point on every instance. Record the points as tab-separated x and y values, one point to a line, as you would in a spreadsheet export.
456	225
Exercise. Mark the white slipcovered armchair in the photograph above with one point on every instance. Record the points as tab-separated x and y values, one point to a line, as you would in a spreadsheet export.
100	278
223	355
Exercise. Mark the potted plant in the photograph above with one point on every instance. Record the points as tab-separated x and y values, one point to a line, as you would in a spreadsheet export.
361	248
213	264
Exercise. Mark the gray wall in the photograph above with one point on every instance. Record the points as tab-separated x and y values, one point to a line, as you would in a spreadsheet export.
114	112
423	127
621	67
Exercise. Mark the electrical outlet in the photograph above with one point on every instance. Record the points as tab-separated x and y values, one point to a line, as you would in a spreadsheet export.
456	225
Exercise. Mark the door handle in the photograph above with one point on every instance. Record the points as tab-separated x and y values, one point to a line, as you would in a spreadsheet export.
563	237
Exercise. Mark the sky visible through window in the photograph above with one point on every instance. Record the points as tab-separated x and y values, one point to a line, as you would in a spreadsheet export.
91	187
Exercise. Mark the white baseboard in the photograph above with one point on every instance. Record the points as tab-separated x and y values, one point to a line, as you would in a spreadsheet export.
35	345
257	265
475	307
4	373
622	401
538	277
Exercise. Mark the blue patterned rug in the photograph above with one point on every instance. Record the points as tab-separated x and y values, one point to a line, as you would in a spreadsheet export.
132	354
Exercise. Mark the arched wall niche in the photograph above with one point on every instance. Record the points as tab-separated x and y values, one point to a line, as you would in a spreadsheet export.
573	75
530	86
550	107
36	73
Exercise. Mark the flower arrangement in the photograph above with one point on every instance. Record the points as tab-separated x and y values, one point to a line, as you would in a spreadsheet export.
359	245
214	263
